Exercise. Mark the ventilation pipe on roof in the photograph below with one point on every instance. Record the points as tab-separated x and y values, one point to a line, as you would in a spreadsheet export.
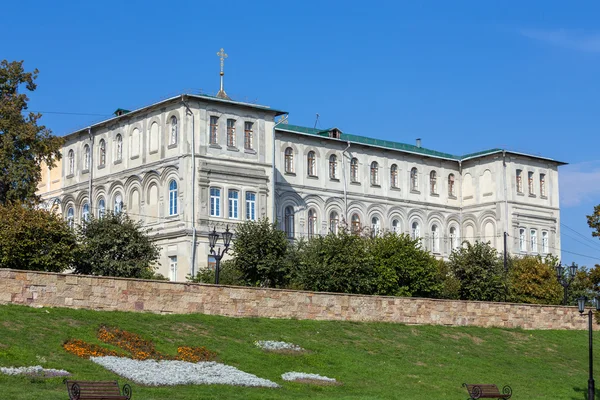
418	142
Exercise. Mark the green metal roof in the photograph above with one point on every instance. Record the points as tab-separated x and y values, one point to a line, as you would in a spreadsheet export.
409	148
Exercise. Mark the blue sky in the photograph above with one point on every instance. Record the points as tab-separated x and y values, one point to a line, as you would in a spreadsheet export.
463	75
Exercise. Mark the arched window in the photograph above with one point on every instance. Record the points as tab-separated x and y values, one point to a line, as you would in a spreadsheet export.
522	241
355	223
454	239
86	157
174	130
533	241
543	185
289	160
85	212
173	197
375	226
289	222
396	226
118	203
70	217
545	243
101	208
71	162
102	151
374	173
394	176
451	185
334	222
333	166
354	170
311	166
433	182
119	147
416	230
414	179
312	223
435	239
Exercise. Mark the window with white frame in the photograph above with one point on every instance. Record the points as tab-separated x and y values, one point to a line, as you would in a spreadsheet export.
311	163
333	167
454	239
174	130
374	173
119	140
533	241
288	222
451	192
354	170
118	203
70	217
433	182
85	212
251	206
289	160
248	135
102	153
530	183
71	162
394	176
231	133
334	221
86	157
414	179
396	226
355	223
215	202
543	185
435	239
519	177
213	136
173	268
101	208
375	226
233	197
545	243
415	230
522	240
312	223
173	197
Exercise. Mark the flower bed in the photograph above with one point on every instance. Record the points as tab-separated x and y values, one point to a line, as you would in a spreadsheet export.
36	371
271	345
174	372
308	378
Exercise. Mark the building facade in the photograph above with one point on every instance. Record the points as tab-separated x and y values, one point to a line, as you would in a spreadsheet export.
190	163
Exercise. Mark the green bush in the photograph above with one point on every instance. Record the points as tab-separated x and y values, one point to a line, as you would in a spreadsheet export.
533	280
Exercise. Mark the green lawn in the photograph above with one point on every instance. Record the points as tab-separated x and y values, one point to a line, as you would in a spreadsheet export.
372	360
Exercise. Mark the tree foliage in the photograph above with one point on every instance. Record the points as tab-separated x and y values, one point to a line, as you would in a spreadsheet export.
533	280
260	254
115	245
34	239
24	144
480	271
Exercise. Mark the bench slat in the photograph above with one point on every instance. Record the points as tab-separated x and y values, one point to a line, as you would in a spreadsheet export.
96	390
488	391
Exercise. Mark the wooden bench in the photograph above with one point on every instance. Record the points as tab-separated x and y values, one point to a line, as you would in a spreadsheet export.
488	391
101	390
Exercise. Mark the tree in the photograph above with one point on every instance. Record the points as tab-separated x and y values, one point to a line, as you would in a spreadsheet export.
260	252
35	239
533	280
480	272
24	145
115	245
402	267
594	221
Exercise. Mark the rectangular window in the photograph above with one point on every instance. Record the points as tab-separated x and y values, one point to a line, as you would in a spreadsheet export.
251	206
519	181
215	202
545	243
233	203
231	133
543	185
248	136
533	240
173	268
214	123
530	183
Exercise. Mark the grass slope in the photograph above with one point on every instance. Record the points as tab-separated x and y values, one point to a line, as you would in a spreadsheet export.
372	360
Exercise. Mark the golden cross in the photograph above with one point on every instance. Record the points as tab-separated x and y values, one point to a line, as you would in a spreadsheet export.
223	57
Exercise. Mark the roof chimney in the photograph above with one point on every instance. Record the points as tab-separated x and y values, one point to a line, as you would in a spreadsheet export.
418	142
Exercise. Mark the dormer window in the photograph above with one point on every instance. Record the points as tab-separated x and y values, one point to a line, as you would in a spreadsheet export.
335	133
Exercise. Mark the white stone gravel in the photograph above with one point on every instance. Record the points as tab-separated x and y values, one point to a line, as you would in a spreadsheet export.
273	345
292	376
36	370
174	372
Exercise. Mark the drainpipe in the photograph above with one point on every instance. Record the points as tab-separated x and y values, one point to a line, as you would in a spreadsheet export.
193	247
460	213
505	210
274	211
91	169
344	176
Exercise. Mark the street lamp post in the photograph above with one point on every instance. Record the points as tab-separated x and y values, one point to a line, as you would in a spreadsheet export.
581	303
566	281
212	241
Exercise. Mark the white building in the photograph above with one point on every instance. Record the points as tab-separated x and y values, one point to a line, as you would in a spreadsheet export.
192	162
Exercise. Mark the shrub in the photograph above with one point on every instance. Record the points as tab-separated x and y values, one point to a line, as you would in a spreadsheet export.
533	280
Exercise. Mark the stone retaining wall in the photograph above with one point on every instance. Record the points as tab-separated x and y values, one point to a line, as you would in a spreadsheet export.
43	289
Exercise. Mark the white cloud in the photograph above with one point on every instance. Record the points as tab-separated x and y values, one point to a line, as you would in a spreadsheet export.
575	40
579	183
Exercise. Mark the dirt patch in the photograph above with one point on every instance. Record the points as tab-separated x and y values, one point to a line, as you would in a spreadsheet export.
181	327
13	326
317	382
420	364
459	335
517	336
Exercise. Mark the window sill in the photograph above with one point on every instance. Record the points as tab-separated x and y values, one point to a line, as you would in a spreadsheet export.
334	179
544	197
451	196
290	173
118	162
520	194
375	185
70	176
488	194
355	183
312	176
415	191
434	194
172	146
231	148
214	146
532	195
153	152
467	197
101	166
172	217
395	188
135	157
249	151
85	171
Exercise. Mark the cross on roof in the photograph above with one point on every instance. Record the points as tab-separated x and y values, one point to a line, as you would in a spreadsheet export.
223	56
